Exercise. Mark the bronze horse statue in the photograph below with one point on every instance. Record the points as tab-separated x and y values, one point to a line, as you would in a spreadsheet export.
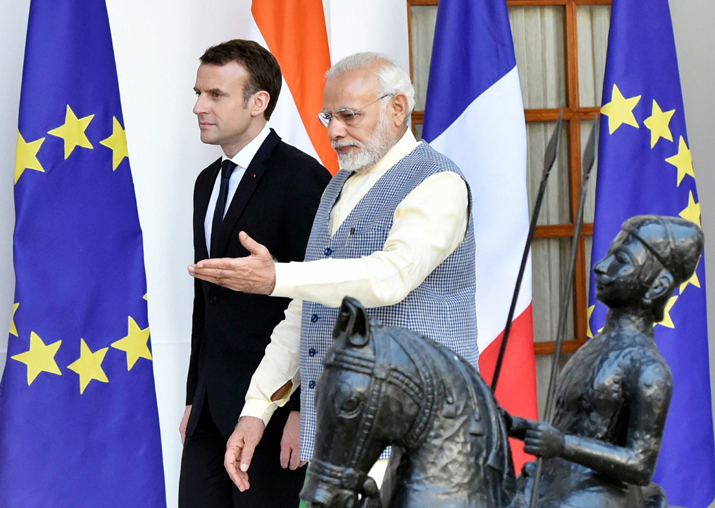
385	386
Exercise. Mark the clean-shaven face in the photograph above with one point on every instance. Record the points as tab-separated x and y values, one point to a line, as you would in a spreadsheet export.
223	115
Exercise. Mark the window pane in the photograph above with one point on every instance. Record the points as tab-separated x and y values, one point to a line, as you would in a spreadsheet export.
589	208
555	208
588	246
592	27
423	22
540	48
550	259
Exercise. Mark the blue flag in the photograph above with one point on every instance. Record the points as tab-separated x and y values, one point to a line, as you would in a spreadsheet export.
78	415
645	167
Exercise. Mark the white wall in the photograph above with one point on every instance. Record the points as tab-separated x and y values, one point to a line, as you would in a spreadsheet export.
693	22
157	44
695	39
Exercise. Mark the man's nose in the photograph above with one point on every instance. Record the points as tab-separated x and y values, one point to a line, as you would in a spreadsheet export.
336	129
200	106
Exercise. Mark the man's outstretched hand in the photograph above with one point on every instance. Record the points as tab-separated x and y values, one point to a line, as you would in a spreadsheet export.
240	449
251	274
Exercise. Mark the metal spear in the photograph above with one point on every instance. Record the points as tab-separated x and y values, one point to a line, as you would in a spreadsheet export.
588	159
549	158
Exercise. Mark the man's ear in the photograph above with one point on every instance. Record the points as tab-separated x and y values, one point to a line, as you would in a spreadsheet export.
399	109
259	102
659	287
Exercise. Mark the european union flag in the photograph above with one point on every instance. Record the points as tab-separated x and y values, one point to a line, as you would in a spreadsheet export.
78	415
645	167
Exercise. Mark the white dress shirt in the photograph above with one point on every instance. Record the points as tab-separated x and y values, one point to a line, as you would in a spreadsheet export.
242	160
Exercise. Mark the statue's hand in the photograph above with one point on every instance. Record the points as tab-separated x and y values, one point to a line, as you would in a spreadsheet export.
543	440
515	425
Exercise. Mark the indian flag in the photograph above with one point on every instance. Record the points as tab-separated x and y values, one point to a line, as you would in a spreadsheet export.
294	31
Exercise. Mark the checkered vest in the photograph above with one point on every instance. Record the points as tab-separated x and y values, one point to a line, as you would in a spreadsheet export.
442	307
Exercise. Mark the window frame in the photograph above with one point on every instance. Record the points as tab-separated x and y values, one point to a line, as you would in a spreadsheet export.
574	114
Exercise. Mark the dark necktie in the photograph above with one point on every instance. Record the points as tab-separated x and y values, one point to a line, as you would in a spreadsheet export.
227	168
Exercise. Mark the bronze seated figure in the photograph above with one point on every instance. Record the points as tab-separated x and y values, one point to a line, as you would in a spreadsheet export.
388	386
612	396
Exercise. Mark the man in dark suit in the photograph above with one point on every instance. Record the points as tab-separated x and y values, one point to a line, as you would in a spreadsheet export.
271	191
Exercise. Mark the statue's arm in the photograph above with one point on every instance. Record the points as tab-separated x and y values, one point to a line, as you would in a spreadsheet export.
645	409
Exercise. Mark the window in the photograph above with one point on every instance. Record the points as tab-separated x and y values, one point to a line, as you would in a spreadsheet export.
561	55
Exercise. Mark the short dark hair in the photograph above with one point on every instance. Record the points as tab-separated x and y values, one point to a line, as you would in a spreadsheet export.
263	69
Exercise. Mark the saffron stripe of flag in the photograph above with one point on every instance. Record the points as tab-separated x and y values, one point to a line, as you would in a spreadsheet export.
294	31
475	116
645	167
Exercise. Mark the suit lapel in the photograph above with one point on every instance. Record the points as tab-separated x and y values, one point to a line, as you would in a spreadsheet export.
203	196
249	182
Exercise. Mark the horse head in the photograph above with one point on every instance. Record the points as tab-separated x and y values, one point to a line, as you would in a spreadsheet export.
388	386
359	395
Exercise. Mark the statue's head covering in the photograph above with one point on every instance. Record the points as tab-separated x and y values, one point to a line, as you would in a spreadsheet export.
677	243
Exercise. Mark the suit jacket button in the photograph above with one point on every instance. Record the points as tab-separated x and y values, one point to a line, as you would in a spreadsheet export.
213	300
314	318
328	251
311	352
311	385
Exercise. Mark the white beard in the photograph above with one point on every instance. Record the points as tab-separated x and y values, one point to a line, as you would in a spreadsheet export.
368	152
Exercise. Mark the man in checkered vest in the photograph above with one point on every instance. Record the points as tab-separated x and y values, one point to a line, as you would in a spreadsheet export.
393	230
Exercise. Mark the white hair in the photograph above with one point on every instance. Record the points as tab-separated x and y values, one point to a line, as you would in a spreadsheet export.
392	79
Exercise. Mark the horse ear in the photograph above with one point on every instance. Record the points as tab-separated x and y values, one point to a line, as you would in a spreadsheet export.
341	324
352	322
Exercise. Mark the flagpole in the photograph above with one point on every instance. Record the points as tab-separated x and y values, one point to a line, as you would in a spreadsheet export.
549	159
589	158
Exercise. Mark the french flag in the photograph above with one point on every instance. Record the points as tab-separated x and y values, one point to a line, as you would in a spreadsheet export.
304	61
475	116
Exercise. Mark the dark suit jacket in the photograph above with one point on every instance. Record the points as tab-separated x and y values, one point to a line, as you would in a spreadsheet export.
275	204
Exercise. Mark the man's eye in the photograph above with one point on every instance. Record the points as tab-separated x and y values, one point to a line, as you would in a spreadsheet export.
346	116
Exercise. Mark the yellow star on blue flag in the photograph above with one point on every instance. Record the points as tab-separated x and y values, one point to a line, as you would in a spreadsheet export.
40	357
89	366
620	110
26	156
73	131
